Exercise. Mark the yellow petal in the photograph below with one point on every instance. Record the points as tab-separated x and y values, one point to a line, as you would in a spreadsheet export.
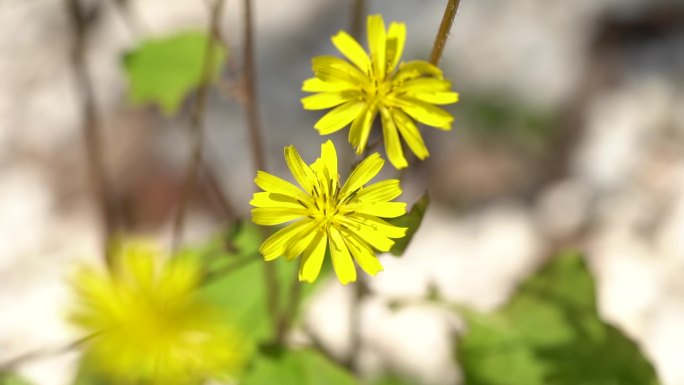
342	261
362	253
329	158
426	84
435	97
299	169
396	38
364	229
318	85
312	261
339	117
269	216
365	171
382	191
410	133
327	99
334	69
377	44
361	128
275	245
272	183
352	50
395	153
299	243
426	113
137	263
415	69
379	209
269	199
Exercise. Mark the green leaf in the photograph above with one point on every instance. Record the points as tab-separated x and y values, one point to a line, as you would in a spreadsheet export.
412	221
304	367
241	293
550	334
12	379
164	71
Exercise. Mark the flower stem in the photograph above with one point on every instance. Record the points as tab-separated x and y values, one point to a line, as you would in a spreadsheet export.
196	124
355	322
91	127
443	33
358	10
290	314
257	147
44	353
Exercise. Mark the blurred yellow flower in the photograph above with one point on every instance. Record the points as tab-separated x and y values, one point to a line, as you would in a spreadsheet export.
363	87
325	213
149	324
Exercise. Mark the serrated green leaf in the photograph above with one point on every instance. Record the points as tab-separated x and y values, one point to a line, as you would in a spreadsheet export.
304	367
164	71
550	334
412	221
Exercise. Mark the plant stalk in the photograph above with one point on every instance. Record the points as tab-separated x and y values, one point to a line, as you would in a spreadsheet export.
443	33
196	126
91	128
257	148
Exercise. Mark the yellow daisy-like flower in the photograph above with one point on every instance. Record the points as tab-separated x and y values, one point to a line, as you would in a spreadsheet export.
344	217
149	324
364	87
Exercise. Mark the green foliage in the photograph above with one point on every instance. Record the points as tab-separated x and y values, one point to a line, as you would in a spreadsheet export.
242	292
304	367
164	71
12	379
506	118
412	220
550	334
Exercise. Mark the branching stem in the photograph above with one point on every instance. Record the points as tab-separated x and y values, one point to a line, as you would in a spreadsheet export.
257	148
91	127
196	125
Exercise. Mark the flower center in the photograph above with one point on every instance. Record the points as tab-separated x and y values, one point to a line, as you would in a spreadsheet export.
376	91
326	206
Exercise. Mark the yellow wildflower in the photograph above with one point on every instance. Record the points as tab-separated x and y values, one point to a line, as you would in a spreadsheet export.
325	213
373	85
148	323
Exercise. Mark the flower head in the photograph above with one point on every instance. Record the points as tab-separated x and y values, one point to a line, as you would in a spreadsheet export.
345	218
364	87
148	323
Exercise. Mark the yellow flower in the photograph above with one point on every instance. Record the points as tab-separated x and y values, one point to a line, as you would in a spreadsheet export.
373	85
344	217
149	325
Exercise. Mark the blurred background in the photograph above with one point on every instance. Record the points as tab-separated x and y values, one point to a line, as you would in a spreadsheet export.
569	136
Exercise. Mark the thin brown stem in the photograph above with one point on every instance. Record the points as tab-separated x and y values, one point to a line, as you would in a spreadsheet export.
355	322
443	33
13	363
196	125
257	148
229	269
358	10
290	314
256	138
218	193
91	127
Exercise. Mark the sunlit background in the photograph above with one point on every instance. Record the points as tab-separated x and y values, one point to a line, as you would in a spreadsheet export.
569	136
